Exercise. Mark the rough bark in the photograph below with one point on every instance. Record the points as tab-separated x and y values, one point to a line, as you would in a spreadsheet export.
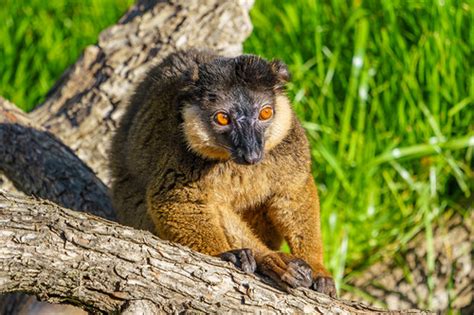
66	256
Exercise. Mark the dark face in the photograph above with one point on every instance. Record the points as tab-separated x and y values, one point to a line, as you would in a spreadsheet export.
239	123
234	104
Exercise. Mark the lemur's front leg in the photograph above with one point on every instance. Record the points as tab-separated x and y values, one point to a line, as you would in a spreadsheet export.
295	213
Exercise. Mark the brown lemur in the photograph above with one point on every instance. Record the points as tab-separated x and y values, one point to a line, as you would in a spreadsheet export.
210	154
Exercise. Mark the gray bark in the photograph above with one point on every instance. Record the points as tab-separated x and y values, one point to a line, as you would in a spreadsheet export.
65	256
84	106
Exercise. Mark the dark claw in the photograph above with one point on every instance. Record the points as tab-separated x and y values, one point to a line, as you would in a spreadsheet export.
298	274
242	258
325	285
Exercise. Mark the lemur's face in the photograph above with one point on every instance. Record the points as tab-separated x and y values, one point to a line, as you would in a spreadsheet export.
236	108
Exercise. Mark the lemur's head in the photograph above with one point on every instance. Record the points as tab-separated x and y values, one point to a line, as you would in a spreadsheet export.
236	108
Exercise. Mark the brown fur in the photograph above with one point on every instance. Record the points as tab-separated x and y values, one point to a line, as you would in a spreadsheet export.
171	177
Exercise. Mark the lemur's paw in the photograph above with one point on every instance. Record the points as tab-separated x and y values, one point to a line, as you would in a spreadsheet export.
286	270
242	258
322	281
325	285
298	273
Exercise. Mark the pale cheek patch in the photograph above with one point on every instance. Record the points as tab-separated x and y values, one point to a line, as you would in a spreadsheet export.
198	137
281	123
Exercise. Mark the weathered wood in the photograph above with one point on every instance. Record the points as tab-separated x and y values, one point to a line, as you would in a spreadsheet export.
39	164
89	97
85	104
62	255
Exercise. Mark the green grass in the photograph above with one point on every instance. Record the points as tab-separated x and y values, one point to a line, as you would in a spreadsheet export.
385	90
40	39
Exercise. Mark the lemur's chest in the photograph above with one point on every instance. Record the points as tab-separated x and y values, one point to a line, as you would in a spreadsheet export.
242	187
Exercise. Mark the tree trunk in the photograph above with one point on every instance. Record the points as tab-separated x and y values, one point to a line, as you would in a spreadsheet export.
66	256
83	107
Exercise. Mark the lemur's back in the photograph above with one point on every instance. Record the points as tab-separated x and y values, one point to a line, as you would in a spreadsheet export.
147	131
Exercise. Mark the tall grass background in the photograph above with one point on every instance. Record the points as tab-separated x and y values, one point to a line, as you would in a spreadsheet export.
384	90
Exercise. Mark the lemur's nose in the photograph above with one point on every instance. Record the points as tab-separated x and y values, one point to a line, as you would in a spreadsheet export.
253	157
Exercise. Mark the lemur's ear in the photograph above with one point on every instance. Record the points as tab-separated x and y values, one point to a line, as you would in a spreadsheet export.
281	71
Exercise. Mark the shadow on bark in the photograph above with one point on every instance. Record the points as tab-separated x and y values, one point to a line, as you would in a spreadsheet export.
50	170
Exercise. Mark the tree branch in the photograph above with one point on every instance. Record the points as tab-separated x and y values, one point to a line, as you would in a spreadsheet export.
66	256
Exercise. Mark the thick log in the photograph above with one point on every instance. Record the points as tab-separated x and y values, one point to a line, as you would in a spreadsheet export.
66	256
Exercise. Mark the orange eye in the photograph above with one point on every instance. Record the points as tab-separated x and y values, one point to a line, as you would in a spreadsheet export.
222	119
266	113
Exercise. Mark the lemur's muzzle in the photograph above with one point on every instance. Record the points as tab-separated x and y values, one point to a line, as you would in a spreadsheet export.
248	144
